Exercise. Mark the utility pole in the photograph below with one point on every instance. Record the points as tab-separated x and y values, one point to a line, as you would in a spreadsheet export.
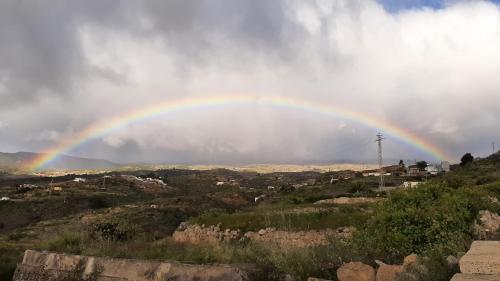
380	163
493	147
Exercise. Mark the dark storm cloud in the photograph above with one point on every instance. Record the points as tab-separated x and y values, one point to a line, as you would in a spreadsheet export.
40	51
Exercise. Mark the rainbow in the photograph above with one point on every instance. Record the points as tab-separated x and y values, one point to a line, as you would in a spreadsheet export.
102	128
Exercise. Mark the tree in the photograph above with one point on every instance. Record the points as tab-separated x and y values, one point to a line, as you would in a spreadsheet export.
422	165
467	158
401	164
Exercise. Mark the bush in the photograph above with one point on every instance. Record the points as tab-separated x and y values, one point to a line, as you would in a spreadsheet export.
454	181
434	268
431	218
113	231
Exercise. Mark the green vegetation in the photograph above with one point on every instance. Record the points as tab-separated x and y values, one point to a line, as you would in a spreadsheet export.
424	220
131	219
9	257
287	219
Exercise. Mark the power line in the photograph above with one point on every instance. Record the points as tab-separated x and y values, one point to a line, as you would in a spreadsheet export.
380	162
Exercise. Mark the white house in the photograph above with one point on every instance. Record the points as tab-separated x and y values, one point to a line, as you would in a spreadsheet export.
432	170
5	199
79	180
219	183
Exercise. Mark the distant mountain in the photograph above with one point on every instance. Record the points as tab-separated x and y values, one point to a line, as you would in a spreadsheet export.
9	161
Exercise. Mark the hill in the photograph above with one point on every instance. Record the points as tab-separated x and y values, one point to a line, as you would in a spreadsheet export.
13	161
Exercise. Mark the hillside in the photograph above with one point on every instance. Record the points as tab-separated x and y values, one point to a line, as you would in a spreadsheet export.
12	161
300	224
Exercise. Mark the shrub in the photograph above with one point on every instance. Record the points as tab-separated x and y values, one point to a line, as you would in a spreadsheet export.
454	181
434	268
431	218
113	231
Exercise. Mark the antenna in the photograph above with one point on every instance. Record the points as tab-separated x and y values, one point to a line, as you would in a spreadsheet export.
380	162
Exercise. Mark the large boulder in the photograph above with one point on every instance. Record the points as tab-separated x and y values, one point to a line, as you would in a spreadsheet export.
356	271
482	258
53	266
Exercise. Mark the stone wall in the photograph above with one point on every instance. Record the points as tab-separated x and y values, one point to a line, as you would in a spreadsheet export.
291	239
349	200
53	267
196	234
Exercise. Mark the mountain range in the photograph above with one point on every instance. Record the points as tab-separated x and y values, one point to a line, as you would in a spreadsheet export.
17	160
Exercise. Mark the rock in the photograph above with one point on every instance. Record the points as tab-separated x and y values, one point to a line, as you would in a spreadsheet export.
482	258
413	258
487	226
387	272
52	266
262	232
475	277
356	271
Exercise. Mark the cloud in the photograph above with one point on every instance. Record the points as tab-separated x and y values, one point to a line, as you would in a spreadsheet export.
432	71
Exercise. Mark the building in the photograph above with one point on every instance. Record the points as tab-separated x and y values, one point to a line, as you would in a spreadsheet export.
395	170
79	180
5	199
432	170
415	171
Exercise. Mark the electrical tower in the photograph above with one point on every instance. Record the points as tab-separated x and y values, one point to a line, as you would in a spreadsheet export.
380	163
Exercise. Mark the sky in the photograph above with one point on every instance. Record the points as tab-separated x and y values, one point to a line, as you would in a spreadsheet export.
429	67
